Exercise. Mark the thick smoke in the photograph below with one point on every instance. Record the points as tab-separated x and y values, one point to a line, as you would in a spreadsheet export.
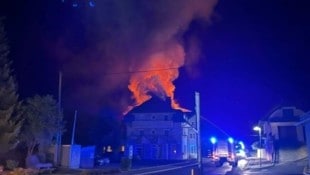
117	38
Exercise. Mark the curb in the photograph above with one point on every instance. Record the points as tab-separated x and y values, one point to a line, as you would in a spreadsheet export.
257	167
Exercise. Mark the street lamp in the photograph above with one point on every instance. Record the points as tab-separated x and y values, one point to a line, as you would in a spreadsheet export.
259	129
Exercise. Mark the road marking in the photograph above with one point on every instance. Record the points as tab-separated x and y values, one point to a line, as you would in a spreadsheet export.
167	169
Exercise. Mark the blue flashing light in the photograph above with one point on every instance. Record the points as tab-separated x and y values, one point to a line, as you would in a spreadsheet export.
241	144
213	140
230	140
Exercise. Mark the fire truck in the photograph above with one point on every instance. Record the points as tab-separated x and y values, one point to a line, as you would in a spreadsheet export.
224	151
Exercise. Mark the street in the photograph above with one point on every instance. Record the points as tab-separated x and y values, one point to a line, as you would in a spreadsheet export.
210	168
190	168
295	167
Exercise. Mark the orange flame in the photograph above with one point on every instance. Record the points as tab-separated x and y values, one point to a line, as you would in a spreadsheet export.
161	69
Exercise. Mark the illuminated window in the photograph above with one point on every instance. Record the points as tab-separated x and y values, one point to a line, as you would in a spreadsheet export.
174	148
109	149
122	148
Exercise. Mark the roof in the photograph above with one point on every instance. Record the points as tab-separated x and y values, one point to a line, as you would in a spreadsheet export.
286	114
155	104
158	105
305	118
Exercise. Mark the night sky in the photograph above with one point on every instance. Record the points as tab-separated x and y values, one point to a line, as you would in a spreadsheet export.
247	59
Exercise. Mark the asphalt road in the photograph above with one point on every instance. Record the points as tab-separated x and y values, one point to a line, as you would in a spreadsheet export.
183	168
288	168
226	169
191	168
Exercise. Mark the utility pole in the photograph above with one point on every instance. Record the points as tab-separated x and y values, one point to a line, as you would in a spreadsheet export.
58	137
197	108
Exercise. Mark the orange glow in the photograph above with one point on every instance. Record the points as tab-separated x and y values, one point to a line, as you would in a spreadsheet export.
158	74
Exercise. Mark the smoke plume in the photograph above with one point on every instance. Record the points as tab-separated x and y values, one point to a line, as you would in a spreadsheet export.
119	51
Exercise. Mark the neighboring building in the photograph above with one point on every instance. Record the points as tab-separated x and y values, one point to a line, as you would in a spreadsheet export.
282	125
158	132
282	134
305	121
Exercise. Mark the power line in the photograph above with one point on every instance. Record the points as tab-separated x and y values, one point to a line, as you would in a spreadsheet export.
216	126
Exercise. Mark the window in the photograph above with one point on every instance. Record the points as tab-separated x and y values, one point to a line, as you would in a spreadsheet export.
288	113
193	150
166	117
166	132
153	117
141	132
139	150
153	132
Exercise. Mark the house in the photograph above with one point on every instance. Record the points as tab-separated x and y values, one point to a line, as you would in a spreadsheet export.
156	131
282	125
282	134
305	121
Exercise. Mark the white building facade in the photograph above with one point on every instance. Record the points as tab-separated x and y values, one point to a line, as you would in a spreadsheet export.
282	124
162	135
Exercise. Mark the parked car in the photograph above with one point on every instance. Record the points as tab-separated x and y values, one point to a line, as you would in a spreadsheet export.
240	150
103	161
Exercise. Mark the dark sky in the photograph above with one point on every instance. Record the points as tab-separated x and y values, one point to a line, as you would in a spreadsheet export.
256	59
254	55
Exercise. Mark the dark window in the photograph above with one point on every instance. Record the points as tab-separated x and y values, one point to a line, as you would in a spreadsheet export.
141	132
166	117
288	113
153	132
153	117
287	134
166	132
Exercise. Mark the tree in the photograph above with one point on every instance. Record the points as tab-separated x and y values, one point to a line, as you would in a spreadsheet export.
10	121
42	123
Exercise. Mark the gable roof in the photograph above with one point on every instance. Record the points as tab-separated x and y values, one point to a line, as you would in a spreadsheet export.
286	114
157	105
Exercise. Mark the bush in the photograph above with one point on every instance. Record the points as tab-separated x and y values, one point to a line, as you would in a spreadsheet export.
126	163
11	164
